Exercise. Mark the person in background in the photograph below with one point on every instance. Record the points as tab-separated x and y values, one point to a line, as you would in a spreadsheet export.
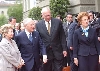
53	36
86	47
30	46
66	25
12	21
72	29
22	28
17	29
59	17
0	35
10	57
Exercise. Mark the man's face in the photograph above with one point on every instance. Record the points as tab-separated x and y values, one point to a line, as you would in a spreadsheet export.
47	16
91	16
30	26
13	22
69	18
9	34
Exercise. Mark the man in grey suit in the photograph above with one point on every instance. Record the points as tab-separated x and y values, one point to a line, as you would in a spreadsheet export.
66	25
53	36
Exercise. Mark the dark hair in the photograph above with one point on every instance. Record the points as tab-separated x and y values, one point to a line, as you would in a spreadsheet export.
59	16
68	14
10	19
90	12
97	14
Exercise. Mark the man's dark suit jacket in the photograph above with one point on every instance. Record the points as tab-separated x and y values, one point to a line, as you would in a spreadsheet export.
66	28
70	34
83	45
56	40
30	50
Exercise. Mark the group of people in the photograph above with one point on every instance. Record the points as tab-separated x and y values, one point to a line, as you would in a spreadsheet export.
50	41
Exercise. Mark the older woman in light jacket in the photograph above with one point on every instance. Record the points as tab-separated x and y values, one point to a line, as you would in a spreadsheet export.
10	57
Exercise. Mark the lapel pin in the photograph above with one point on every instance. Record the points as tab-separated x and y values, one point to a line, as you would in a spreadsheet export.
82	33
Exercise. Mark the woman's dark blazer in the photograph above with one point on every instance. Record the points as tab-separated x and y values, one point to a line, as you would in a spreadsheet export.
83	45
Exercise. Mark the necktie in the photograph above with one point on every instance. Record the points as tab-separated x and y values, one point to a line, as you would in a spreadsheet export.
30	37
49	27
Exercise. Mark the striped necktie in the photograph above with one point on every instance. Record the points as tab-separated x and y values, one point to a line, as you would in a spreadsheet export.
49	27
30	37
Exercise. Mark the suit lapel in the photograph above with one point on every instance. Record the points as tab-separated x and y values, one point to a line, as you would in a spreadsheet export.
34	37
52	26
83	34
90	34
44	27
12	46
25	38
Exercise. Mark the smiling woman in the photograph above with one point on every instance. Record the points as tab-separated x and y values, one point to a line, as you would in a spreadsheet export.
86	47
10	57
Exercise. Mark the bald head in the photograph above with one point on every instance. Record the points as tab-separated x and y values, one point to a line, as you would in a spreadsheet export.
46	14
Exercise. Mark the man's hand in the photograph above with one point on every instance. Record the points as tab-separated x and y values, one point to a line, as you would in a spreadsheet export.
22	62
45	59
76	61
71	48
64	53
99	38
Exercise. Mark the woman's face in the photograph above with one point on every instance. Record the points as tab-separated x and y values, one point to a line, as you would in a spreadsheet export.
10	34
85	21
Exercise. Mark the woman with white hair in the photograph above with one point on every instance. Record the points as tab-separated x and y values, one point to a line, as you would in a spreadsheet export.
10	57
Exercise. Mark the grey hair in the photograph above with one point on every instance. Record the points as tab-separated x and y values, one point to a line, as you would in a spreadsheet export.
45	9
4	29
26	21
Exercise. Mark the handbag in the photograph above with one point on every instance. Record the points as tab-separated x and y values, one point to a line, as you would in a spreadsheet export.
66	68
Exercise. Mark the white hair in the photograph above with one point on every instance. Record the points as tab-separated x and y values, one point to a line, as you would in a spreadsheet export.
45	9
26	21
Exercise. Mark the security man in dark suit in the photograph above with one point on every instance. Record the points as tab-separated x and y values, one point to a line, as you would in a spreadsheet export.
66	26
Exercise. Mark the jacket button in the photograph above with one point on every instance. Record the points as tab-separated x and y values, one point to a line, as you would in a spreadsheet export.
50	47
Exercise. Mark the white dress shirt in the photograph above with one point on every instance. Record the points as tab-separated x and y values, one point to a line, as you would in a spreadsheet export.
46	23
27	33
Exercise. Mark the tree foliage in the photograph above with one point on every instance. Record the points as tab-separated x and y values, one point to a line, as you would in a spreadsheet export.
3	20
59	7
35	13
16	11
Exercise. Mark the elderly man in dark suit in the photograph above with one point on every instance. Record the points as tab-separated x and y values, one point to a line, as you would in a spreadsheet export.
30	45
53	36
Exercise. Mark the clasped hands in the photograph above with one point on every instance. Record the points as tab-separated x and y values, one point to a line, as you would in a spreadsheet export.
21	64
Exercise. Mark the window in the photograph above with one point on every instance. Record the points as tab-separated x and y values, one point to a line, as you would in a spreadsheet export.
2	12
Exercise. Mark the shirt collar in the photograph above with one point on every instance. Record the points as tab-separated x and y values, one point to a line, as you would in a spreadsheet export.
85	28
47	22
27	33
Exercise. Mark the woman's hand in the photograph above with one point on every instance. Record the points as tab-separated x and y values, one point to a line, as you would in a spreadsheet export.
19	66
22	62
76	61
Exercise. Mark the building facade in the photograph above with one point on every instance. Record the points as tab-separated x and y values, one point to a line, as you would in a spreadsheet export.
76	6
27	5
4	8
